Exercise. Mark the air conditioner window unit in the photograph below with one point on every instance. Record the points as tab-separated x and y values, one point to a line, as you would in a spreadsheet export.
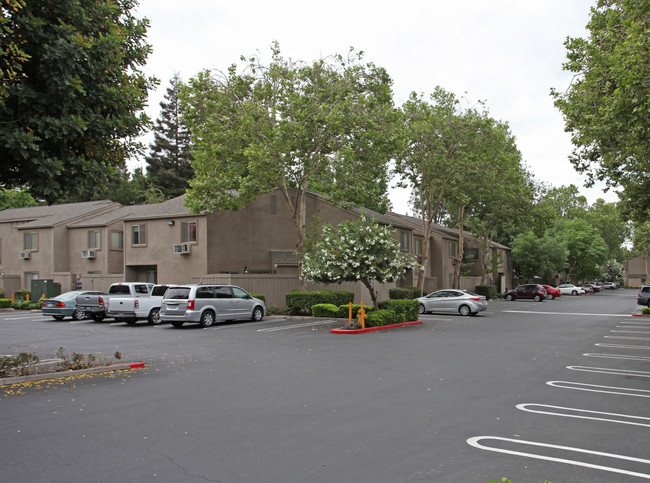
181	248
25	255
88	254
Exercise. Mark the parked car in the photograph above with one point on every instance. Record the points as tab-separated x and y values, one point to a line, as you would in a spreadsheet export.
609	286
570	289
587	288
65	305
138	306
595	288
96	306
644	295
456	301
207	304
528	291
552	292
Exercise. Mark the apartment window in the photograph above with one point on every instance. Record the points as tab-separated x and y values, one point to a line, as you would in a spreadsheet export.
404	240
94	240
453	249
470	254
418	247
188	232
31	241
117	240
138	235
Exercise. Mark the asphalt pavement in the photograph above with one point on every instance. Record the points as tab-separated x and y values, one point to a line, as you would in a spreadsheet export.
556	391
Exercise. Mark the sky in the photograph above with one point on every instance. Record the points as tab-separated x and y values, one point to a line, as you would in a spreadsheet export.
508	53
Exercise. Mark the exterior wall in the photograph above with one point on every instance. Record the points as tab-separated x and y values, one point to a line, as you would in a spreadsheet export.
636	271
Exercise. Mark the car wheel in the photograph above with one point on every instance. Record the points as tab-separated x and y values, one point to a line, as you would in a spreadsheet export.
207	319
464	310
550	296
421	309
154	316
510	297
57	317
574	292
178	323
537	298
98	317
258	314
78	315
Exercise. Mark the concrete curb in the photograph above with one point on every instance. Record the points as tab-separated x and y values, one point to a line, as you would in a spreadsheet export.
374	329
8	381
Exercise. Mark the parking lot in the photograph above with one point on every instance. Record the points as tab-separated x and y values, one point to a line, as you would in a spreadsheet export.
554	390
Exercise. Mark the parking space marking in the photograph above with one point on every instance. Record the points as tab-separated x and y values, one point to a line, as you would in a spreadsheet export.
606	370
475	443
629	331
24	317
576	413
617	356
565	313
580	386
625	337
622	346
296	326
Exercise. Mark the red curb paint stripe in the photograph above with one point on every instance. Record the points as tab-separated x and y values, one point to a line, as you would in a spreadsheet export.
373	329
637	315
137	365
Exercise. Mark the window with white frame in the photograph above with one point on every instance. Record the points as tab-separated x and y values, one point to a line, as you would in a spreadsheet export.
188	232
117	240
30	241
138	235
94	240
404	240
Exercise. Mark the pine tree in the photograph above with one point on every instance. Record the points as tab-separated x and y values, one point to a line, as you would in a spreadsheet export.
169	162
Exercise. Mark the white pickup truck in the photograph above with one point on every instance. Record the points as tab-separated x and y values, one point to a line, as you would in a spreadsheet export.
137	301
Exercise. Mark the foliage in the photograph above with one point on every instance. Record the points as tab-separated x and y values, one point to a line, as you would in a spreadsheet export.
15	198
12	56
404	293
290	126
75	361
382	317
325	310
300	301
344	310
5	303
640	239
169	160
607	108
489	291
587	250
21	294
538	256
407	307
612	271
259	296
612	227
25	305
77	107
20	365
645	311
359	250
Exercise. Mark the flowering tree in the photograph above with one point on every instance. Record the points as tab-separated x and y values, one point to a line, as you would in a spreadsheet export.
358	250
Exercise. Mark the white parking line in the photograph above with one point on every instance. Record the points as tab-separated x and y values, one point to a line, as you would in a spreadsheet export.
625	337
475	443
617	356
565	412
621	346
296	326
629	331
565	313
579	386
606	370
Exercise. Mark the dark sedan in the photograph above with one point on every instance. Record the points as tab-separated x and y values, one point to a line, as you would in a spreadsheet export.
528	291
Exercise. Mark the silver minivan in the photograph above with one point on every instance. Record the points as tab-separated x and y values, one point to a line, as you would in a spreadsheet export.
206	304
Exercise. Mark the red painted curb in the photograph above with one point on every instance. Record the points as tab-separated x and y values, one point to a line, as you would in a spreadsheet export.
137	365
637	315
373	329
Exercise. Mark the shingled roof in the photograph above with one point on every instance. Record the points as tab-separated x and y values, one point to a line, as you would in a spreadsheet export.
49	216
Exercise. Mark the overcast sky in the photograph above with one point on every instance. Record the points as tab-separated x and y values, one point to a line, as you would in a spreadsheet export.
508	53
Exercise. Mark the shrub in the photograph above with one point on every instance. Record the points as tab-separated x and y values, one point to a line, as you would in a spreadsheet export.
301	301
5	303
490	291
416	292
25	305
259	296
646	311
2	293
409	308
380	317
325	310
344	310
21	295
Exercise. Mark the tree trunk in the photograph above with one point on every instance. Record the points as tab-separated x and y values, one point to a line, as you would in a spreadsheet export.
298	210
459	257
373	293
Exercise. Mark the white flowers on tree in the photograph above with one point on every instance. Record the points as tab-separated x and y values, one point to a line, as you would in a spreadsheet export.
360	250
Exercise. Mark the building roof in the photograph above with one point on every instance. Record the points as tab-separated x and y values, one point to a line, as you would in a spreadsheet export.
48	216
170	208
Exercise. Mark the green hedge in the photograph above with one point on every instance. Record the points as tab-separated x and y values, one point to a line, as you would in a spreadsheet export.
404	293
409	308
646	311
490	291
21	294
259	296
380	317
2	293
325	310
5	303
344	310
301	301
24	305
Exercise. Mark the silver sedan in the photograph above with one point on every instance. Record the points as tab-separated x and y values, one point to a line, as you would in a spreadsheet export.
456	301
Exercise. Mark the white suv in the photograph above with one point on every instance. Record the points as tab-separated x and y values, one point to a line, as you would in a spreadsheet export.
207	304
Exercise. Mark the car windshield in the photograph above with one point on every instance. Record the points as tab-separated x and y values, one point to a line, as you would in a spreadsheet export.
179	293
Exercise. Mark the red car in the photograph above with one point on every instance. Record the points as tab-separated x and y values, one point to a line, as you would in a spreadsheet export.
552	292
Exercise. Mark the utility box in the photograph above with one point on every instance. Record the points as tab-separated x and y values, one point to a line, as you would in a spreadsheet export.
44	287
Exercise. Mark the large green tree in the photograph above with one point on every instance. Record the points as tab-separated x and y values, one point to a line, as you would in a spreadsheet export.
169	161
12	56
538	258
71	119
587	249
607	108
288	126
